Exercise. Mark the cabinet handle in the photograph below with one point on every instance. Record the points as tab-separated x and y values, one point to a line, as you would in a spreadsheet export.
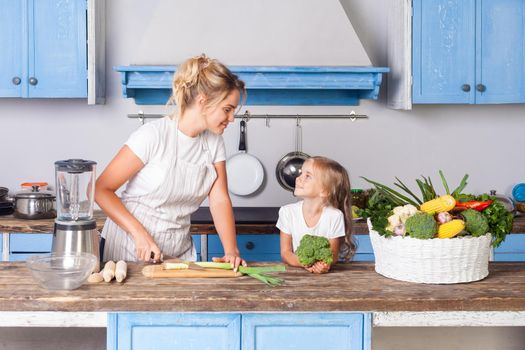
16	80
481	87
250	245
33	81
465	87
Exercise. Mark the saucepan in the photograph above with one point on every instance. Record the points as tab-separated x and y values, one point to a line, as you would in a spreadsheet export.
245	172
34	204
3	193
290	166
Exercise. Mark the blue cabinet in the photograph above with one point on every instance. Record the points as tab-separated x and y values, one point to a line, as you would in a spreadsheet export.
189	331
263	247
24	245
468	51
512	249
45	45
197	244
12	30
364	251
306	331
234	331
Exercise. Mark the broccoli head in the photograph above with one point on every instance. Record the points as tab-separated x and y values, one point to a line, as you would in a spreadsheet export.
313	249
475	223
421	225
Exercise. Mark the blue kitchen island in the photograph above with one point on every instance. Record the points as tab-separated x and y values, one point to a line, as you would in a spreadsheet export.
336	310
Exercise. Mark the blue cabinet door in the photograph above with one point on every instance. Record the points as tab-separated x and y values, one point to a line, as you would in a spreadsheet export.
263	247
24	245
500	51
197	243
57	48
444	51
188	331
364	251
512	249
306	331
13	30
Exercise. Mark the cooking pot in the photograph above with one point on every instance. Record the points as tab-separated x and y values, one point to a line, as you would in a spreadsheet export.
3	193
290	166
507	203
34	204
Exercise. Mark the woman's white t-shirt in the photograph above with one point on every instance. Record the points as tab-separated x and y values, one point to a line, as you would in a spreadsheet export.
331	224
149	144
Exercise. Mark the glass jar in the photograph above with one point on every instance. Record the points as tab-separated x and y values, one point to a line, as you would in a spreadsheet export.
359	198
75	186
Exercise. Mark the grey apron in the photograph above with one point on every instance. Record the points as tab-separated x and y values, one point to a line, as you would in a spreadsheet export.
165	212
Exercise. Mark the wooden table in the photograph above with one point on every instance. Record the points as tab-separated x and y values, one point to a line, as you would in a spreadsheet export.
497	300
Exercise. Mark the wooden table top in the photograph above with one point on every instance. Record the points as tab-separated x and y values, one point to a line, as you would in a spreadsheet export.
351	287
11	224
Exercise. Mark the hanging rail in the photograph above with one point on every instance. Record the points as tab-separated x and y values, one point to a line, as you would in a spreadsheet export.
247	116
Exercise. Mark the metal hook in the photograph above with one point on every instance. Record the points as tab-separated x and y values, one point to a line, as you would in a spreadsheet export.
267	121
141	117
352	113
297	120
246	116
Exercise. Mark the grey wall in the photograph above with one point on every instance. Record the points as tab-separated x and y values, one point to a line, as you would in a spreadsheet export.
480	140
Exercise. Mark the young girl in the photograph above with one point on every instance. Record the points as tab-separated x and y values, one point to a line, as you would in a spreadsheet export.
326	210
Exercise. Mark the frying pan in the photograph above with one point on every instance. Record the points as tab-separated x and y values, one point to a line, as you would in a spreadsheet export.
290	166
245	172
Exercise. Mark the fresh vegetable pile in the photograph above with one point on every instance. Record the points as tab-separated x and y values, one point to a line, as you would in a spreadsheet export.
433	216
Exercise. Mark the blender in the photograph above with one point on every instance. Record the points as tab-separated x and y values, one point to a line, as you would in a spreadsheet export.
75	228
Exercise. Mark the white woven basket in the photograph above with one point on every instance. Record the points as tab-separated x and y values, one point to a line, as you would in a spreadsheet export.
455	260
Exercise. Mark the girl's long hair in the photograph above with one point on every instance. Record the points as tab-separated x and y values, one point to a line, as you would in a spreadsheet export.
336	182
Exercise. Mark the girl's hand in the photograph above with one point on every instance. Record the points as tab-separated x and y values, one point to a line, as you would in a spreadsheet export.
319	267
146	248
233	259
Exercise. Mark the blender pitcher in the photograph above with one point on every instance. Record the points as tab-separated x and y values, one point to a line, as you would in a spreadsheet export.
75	186
75	229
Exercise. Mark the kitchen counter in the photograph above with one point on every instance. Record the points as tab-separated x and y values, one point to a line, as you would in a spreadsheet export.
259	220
349	287
249	220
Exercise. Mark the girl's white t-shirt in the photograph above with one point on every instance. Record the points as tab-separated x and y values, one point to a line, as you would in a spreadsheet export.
150	144
331	224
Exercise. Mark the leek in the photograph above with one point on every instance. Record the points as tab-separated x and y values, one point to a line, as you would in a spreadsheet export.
257	272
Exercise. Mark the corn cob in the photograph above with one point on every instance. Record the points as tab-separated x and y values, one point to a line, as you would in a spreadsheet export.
439	205
451	228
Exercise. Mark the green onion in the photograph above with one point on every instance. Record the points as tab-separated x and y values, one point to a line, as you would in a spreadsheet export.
402	186
445	184
269	280
257	272
215	265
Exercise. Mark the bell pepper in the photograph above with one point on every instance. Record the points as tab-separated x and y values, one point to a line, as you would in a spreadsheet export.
476	205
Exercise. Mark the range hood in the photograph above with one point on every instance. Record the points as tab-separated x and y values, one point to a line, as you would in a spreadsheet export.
300	52
266	85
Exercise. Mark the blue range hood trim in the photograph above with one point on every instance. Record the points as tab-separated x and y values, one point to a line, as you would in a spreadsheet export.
267	85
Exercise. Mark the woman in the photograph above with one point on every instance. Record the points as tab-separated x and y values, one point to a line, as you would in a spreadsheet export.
172	164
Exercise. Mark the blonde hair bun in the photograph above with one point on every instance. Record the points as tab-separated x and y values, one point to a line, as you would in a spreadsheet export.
203	75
